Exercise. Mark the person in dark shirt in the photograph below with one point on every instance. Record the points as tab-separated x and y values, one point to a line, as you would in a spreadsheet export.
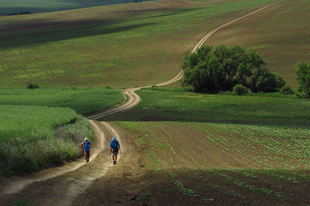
114	147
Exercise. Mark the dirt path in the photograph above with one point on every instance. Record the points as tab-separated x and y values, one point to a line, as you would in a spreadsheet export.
62	185
133	99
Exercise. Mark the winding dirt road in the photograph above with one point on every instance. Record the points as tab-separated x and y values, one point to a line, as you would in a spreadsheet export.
62	185
133	99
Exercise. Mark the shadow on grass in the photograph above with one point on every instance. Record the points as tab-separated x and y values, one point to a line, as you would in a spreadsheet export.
59	31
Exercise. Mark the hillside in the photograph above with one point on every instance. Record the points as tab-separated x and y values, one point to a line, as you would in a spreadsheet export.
39	6
279	34
118	45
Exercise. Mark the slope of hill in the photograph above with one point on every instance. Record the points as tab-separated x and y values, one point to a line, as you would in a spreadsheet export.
279	34
39	6
118	45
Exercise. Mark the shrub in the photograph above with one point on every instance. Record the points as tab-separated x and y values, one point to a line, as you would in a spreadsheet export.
32	85
303	79
240	89
108	87
263	80
286	90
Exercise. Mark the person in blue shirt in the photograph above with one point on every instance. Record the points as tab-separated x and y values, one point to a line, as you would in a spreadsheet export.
114	147
87	145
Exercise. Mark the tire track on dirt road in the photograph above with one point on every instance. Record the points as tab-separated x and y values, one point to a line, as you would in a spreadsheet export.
133	98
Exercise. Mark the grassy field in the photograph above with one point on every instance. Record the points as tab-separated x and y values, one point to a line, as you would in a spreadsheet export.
118	45
222	164
38	6
178	105
33	137
277	34
83	101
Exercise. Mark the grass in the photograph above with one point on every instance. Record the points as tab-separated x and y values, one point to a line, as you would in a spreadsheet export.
178	105
120	45
39	6
218	163
83	101
30	140
21	202
275	34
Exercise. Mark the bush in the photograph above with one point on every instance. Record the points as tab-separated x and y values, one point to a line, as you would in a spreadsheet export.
303	79
263	80
286	90
240	89
108	87
32	85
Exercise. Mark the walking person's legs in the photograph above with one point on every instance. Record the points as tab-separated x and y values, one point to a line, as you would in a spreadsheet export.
87	156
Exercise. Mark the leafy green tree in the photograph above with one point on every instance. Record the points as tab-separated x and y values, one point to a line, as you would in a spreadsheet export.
263	80
303	78
221	69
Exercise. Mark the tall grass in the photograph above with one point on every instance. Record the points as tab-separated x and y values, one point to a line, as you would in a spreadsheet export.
33	137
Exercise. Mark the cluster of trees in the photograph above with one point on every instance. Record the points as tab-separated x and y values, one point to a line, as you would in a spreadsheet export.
224	68
21	13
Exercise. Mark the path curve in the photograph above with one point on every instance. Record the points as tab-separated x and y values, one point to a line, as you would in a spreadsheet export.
133	98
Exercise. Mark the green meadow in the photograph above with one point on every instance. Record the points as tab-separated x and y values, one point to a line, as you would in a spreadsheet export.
82	101
39	6
178	105
33	137
108	45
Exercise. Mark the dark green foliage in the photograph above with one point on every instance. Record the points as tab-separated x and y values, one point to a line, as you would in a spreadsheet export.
263	80
32	85
240	89
108	87
144	198
21	202
21	13
223	68
303	79
286	90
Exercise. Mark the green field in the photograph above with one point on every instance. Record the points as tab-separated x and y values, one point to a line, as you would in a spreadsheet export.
177	105
109	45
33	137
82	101
39	6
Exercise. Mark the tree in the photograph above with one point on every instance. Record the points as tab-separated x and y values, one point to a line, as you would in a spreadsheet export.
263	80
303	78
221	69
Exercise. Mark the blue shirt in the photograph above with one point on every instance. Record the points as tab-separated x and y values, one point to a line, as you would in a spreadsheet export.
87	145
114	145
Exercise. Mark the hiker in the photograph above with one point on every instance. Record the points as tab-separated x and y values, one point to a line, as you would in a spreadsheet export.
86	145
114	147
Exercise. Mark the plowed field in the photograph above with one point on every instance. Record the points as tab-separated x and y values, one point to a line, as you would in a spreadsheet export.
277	34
